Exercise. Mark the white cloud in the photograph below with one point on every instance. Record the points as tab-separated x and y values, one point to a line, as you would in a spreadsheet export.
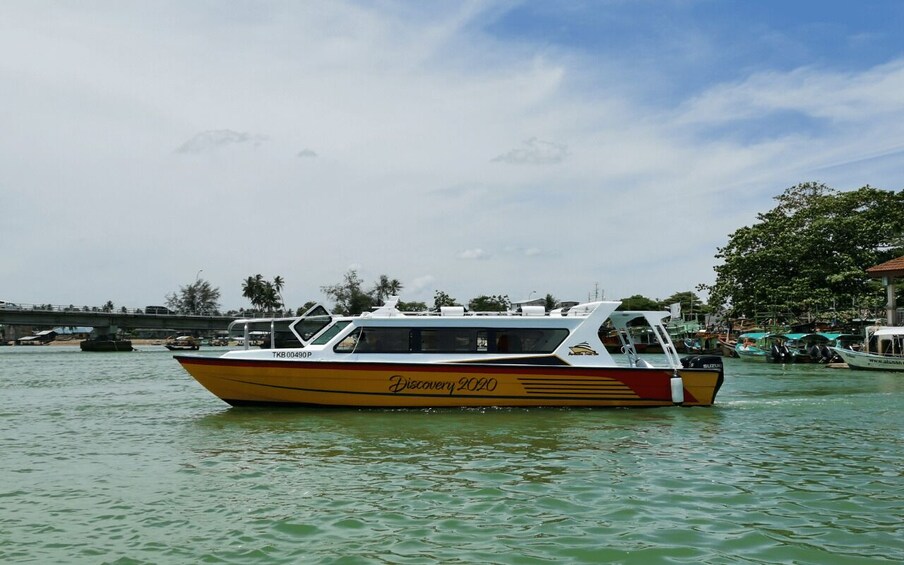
417	117
535	151
477	253
420	284
214	139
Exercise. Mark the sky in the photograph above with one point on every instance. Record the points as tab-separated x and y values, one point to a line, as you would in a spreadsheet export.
579	149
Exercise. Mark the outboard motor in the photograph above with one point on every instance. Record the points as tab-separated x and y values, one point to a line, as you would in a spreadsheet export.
814	353
780	353
705	362
702	362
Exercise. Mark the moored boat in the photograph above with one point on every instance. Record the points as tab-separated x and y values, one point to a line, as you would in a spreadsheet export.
810	347
388	358
882	350
106	344
763	347
183	343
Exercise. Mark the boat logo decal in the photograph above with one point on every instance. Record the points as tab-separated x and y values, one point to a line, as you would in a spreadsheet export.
582	348
401	383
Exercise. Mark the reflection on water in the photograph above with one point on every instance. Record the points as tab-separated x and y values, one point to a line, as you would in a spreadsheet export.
112	457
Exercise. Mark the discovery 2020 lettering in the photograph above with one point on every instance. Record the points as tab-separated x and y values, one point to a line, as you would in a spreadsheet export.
399	383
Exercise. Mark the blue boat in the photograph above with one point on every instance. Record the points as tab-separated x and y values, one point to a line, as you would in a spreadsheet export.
810	347
763	347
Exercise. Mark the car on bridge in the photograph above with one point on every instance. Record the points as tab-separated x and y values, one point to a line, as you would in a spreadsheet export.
4	305
157	310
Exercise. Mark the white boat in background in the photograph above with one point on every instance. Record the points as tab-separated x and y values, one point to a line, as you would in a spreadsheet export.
882	350
389	358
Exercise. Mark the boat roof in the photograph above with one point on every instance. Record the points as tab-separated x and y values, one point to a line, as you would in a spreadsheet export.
820	335
890	330
758	335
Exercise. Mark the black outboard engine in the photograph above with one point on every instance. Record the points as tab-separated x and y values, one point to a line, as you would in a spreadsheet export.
702	362
780	353
705	362
814	353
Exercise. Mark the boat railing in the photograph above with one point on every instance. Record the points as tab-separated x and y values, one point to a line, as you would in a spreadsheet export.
261	328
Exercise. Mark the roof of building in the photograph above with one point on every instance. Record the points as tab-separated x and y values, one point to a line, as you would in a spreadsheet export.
888	268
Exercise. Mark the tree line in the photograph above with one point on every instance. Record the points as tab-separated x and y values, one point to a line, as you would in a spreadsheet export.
806	257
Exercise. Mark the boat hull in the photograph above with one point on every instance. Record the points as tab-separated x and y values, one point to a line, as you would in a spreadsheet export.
242	382
182	347
106	345
752	354
870	361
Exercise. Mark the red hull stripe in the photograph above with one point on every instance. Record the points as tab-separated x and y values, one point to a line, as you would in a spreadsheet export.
543	371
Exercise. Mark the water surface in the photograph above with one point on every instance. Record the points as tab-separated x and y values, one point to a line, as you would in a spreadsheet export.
123	458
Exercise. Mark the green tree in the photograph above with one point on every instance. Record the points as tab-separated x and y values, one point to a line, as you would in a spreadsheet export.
639	302
810	252
412	306
484	303
278	284
199	297
384	289
304	308
349	296
441	299
263	294
690	302
551	302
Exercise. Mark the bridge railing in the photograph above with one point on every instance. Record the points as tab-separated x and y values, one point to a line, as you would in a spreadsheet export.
152	311
103	309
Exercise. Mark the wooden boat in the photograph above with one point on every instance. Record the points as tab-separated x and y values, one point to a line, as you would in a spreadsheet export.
882	350
183	343
387	358
105	344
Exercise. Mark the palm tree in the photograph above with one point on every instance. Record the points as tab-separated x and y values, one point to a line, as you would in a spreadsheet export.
278	283
251	289
385	288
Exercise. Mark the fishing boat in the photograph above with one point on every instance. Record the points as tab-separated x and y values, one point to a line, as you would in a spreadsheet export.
882	350
810	347
763	347
388	358
183	343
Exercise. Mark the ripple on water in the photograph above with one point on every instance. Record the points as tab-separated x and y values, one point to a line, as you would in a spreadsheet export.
124	459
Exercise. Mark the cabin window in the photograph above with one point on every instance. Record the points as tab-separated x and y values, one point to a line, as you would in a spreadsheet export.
384	340
330	333
348	343
450	340
528	340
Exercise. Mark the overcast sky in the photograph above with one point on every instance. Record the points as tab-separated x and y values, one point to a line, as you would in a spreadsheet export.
473	148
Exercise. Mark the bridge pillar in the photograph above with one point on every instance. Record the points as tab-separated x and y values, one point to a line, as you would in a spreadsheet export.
105	330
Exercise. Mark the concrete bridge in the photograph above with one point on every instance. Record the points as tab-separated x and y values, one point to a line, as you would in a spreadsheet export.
106	322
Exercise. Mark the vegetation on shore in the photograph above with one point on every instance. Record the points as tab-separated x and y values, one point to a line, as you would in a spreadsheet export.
805	258
808	256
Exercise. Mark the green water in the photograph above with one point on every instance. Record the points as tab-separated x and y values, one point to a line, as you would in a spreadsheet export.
123	458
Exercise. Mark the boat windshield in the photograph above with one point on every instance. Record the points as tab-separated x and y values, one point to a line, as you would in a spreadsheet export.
312	322
330	333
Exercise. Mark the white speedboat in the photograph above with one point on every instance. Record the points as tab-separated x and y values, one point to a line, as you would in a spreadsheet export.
388	358
882	350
